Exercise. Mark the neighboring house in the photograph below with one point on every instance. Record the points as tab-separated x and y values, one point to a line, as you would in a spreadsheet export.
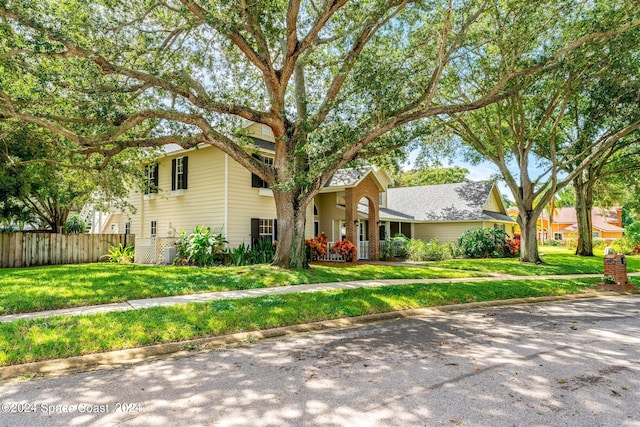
606	224
563	224
204	186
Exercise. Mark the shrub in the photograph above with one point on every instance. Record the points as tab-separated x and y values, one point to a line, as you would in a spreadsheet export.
121	254
419	250
201	248
514	243
632	232
484	243
455	249
318	246
262	252
398	245
240	255
75	225
625	246
554	242
386	250
599	243
345	249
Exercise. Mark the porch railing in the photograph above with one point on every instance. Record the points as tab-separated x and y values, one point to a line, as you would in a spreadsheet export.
330	255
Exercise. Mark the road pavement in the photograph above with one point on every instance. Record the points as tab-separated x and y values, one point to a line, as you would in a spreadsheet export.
571	363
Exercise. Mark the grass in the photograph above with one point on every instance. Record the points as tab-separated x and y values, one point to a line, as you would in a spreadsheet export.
52	287
59	337
555	261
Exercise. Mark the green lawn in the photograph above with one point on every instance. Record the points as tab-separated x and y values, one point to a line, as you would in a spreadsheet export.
58	337
51	287
555	261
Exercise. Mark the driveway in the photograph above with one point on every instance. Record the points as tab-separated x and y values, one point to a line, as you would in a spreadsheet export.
569	363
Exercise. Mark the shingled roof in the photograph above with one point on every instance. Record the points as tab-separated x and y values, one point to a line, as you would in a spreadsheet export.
348	177
445	203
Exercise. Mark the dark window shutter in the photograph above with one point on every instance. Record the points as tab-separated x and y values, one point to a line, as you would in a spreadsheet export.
255	230
155	178
147	188
185	164
275	229
256	182
173	175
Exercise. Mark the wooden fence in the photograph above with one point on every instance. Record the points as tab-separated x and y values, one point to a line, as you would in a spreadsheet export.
30	249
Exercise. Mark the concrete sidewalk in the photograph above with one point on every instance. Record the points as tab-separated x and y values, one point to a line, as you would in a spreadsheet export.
281	290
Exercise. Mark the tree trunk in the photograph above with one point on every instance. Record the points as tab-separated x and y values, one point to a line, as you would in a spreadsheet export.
584	205
529	246
292	218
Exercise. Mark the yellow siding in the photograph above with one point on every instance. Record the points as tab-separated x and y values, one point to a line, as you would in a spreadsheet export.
447	232
260	131
443	232
134	200
117	219
202	203
245	202
494	203
329	211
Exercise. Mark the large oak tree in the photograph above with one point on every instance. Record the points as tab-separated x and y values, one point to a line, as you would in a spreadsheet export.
336	80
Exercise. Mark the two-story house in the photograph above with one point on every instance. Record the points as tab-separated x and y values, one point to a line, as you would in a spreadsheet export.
204	186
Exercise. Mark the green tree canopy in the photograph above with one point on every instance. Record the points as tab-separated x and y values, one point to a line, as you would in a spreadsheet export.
336	80
430	176
40	185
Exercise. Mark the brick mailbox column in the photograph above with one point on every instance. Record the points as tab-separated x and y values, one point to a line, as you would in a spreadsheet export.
615	266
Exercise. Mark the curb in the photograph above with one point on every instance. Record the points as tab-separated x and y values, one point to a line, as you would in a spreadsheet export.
127	357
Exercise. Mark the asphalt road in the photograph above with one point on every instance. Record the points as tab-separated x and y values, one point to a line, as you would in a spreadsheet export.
555	364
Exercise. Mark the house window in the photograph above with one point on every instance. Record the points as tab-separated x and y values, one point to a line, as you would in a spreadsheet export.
266	130
557	236
151	182
179	173
127	227
153	229
498	226
596	234
264	229
256	181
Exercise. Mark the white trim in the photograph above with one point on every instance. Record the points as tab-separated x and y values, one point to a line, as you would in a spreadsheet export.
266	192
226	195
178	193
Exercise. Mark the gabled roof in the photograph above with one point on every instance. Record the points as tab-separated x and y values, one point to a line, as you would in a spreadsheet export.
600	218
351	177
172	149
446	203
597	222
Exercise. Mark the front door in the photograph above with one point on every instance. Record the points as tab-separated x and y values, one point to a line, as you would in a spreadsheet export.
363	243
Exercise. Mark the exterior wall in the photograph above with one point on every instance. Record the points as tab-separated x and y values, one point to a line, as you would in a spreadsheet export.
448	232
260	131
245	202
368	188
494	204
120	218
610	235
213	177
202	203
115	219
330	215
